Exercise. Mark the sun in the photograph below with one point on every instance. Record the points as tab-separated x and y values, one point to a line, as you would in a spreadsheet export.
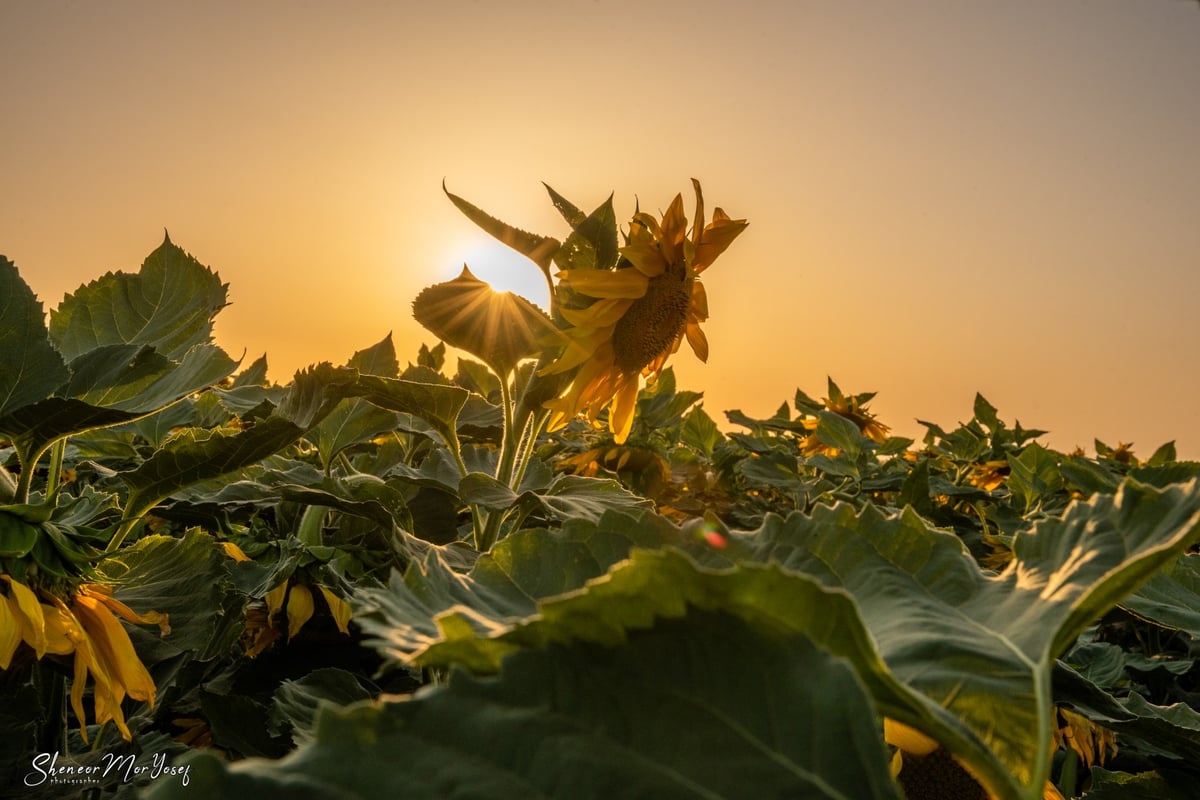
505	269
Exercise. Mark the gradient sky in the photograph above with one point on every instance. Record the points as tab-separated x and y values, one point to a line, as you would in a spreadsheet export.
944	197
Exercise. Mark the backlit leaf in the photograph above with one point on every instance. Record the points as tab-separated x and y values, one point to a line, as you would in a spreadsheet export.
169	304
31	368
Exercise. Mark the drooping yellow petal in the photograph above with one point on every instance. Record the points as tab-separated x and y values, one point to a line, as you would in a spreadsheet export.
622	283
620	415
114	649
62	630
234	552
83	660
699	310
33	623
299	609
698	341
673	231
908	739
643	253
104	595
339	608
10	631
274	600
716	238
600	314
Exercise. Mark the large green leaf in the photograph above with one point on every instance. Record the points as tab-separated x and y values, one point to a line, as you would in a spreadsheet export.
169	304
1171	597
434	401
139	379
565	497
31	369
185	578
198	454
355	420
674	712
505	584
982	646
964	656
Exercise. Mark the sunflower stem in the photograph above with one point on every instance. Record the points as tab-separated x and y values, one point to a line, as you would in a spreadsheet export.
122	531
534	428
508	446
54	480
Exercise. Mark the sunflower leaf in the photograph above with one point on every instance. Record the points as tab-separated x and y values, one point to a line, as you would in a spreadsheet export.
436	403
355	419
671	714
169	304
198	454
500	328
1171	597
945	648
31	369
538	249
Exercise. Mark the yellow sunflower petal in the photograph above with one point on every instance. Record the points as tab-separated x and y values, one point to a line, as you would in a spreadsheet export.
908	739
299	608
716	238
114	649
62	630
104	595
108	707
697	340
699	308
622	283
10	631
274	600
620	419
83	660
644	254
600	314
33	623
339	608
674	230
234	552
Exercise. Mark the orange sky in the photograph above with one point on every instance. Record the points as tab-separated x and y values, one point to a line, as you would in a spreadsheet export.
944	197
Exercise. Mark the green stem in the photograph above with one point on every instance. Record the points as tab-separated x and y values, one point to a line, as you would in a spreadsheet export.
24	482
123	531
57	453
508	445
536	426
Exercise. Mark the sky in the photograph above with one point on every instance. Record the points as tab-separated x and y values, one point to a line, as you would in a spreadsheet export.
945	196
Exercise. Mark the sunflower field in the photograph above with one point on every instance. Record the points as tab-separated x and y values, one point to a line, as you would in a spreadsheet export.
551	573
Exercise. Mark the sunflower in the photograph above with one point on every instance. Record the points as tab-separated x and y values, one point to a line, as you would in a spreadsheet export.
851	407
926	770
89	629
639	313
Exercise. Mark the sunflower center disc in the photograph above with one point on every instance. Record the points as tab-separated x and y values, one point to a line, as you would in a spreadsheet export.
653	322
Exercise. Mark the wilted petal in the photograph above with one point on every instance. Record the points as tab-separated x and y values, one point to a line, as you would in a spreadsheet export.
114	649
10	631
299	608
716	238
622	283
339	608
33	623
275	599
697	340
104	595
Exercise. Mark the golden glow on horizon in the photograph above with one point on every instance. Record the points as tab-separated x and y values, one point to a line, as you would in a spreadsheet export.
943	198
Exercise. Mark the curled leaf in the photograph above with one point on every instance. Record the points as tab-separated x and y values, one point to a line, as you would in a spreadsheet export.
499	328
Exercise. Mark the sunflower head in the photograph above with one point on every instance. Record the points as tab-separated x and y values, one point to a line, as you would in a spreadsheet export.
629	320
